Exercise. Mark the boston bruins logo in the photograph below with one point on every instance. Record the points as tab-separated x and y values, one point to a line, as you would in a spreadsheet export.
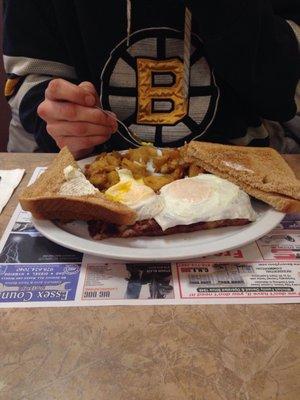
143	85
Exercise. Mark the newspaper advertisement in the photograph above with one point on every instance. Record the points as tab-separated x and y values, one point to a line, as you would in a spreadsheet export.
35	272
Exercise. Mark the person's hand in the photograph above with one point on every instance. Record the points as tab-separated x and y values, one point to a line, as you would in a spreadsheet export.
72	119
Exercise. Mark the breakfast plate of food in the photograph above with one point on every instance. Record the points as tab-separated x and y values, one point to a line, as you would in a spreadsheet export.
150	204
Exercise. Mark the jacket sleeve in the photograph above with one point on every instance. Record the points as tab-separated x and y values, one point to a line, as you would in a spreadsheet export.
255	51
33	55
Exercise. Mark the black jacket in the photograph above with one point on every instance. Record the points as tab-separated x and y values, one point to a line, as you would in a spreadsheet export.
245	66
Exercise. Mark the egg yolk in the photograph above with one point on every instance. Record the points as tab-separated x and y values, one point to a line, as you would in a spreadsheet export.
118	194
129	192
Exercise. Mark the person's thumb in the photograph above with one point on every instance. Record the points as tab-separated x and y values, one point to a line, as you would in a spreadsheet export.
90	88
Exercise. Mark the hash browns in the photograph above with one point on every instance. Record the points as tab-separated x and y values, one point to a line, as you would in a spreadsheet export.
156	167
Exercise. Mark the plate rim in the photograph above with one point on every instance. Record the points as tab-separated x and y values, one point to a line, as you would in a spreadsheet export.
254	232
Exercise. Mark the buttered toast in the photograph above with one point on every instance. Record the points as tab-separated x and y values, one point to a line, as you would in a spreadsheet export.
45	199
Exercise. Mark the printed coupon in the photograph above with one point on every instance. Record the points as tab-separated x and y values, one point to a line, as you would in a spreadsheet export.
128	281
38	283
261	279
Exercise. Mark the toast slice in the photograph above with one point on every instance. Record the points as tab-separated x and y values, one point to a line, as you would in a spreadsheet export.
260	167
261	172
44	201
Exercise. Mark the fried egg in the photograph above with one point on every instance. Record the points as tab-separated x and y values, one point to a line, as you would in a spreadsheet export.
136	195
202	198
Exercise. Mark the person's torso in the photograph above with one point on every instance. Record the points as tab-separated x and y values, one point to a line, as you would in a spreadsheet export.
141	80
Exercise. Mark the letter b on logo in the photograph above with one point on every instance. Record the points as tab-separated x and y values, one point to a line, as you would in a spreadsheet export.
160	91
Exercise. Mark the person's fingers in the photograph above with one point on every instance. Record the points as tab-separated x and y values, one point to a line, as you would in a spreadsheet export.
78	129
78	144
112	114
60	89
64	111
90	88
82	153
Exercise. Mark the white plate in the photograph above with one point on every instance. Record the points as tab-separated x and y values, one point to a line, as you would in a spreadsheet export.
174	247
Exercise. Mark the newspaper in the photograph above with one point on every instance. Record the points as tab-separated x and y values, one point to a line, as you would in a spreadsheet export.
35	272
